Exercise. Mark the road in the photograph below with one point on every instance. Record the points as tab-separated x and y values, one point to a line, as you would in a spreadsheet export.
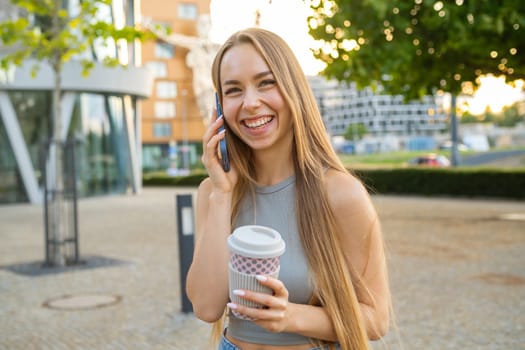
495	157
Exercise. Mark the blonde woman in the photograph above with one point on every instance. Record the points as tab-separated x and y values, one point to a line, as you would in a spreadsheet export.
332	290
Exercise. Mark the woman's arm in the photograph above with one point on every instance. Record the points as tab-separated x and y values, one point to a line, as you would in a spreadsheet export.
207	280
362	242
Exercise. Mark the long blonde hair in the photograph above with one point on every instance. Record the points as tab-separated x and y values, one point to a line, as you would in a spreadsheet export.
312	155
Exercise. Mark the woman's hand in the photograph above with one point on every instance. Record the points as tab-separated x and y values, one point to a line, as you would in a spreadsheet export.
280	315
221	180
277	311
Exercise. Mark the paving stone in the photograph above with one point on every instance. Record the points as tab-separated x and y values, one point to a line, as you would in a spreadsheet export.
456	270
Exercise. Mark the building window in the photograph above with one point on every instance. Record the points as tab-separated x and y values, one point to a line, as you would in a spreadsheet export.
157	69
187	11
103	163
164	50
161	130
164	109
166	89
160	25
104	47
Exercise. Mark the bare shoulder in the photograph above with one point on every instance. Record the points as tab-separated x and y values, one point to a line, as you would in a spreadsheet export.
356	216
345	190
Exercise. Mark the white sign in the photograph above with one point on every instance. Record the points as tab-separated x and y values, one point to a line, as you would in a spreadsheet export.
187	221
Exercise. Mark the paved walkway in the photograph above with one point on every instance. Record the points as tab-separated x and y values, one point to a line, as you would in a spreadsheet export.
457	269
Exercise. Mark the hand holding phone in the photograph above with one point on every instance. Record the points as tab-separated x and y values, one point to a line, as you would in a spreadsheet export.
223	151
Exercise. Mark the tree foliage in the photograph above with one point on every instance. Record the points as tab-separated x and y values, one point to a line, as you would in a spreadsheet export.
416	47
43	30
355	131
510	116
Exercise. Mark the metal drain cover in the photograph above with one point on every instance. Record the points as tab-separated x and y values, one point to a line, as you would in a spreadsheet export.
82	301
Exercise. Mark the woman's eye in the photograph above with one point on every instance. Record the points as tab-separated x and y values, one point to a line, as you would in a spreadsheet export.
231	90
268	82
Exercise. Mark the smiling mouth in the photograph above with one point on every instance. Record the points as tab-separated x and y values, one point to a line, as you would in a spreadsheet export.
258	122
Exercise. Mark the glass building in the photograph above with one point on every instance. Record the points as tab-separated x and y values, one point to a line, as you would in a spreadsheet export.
101	111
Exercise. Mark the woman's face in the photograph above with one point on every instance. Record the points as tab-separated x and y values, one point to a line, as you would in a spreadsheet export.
253	105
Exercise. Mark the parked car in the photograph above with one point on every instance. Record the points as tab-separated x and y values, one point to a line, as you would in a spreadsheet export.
431	159
447	145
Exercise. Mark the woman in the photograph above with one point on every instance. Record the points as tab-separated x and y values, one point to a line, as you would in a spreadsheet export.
333	285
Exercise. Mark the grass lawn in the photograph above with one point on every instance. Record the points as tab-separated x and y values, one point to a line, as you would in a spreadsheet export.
401	159
390	159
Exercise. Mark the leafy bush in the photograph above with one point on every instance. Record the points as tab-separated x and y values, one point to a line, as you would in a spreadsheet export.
157	179
462	182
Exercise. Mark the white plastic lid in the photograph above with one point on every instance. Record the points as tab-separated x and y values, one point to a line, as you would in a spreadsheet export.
256	241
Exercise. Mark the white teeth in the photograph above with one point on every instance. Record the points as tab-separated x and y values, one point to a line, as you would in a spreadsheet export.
259	122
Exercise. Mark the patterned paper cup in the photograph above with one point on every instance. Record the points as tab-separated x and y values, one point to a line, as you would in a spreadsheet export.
254	266
255	251
239	280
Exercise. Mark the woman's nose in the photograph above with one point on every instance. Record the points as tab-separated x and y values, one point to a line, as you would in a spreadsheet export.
251	99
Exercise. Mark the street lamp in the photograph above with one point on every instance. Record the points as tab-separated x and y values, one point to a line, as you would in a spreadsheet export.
454	132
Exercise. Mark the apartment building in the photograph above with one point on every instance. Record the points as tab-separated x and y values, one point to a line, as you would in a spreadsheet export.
343	105
172	125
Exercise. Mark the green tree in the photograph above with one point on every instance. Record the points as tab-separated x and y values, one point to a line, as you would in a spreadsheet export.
43	30
489	116
415	48
468	118
355	131
510	116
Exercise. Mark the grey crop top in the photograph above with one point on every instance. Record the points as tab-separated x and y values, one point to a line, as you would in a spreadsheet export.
275	208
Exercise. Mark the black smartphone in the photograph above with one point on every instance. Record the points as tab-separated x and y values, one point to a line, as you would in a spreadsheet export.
223	150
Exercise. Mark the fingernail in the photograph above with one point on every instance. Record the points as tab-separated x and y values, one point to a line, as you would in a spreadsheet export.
231	305
219	117
261	278
239	292
222	131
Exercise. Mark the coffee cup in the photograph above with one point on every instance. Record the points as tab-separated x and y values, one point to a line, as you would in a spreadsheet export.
255	250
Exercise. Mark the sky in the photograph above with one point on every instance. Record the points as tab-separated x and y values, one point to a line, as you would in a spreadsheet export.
495	94
287	18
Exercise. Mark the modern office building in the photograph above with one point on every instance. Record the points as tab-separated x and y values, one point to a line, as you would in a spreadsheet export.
172	125
343	105
101	111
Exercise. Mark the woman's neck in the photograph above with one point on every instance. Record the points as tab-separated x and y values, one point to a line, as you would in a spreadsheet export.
272	167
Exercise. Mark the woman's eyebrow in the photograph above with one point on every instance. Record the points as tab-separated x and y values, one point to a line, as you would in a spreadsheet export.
262	74
255	77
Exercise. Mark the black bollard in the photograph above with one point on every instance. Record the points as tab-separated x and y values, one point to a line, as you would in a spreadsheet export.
186	228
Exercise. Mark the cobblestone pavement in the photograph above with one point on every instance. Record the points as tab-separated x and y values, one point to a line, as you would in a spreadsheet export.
457	269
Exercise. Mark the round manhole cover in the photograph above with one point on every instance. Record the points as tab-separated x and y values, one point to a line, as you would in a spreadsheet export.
82	302
513	216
